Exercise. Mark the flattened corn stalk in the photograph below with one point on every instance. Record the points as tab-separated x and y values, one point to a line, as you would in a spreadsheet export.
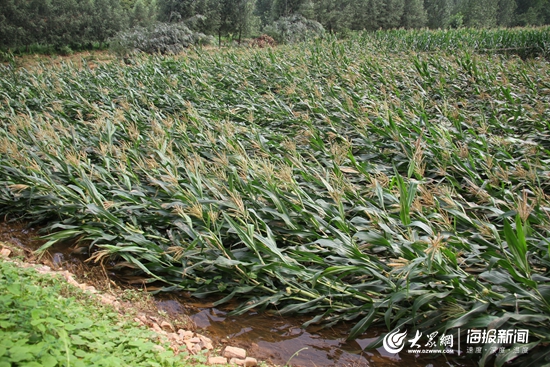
354	180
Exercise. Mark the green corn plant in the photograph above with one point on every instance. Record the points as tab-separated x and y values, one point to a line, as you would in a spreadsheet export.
356	180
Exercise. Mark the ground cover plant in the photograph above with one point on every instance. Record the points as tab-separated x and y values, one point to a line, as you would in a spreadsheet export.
42	324
350	180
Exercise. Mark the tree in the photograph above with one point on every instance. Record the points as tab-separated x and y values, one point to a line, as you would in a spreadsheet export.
59	23
143	13
243	19
13	21
365	14
480	13
204	17
439	12
175	10
284	8
391	12
264	10
533	12
505	14
414	14
234	17
107	19
332	14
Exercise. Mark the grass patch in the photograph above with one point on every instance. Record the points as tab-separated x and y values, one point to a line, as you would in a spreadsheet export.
46	322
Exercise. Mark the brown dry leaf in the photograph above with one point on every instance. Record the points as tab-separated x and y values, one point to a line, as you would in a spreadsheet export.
348	170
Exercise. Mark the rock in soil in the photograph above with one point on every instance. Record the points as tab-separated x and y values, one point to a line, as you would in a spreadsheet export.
234	352
217	360
166	326
247	362
250	362
185	334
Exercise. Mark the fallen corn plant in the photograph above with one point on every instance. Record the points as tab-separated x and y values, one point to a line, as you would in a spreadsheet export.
390	187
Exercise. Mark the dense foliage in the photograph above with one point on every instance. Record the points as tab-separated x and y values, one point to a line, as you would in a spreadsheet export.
161	38
294	28
352	180
63	24
77	24
42	324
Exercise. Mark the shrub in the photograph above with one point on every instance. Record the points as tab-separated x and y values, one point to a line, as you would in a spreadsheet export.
294	28
161	38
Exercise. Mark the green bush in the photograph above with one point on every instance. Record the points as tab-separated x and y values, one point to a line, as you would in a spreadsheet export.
161	38
294	28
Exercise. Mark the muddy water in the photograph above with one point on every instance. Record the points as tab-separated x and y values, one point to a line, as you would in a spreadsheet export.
281	340
266	336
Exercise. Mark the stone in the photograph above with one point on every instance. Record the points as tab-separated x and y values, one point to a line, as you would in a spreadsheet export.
250	362
165	325
207	345
143	319
185	334
190	346
5	252
247	362
196	348
234	352
238	362
157	328
90	288
175	337
46	269
204	339
217	360
69	277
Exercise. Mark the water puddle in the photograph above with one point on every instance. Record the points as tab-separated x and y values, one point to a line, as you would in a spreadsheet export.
280	340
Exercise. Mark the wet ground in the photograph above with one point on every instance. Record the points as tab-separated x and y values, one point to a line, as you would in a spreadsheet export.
281	340
266	336
21	235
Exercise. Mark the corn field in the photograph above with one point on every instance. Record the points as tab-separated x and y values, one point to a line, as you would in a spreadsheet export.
346	180
523	42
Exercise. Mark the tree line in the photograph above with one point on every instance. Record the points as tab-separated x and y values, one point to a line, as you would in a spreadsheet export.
82	24
338	15
78	24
